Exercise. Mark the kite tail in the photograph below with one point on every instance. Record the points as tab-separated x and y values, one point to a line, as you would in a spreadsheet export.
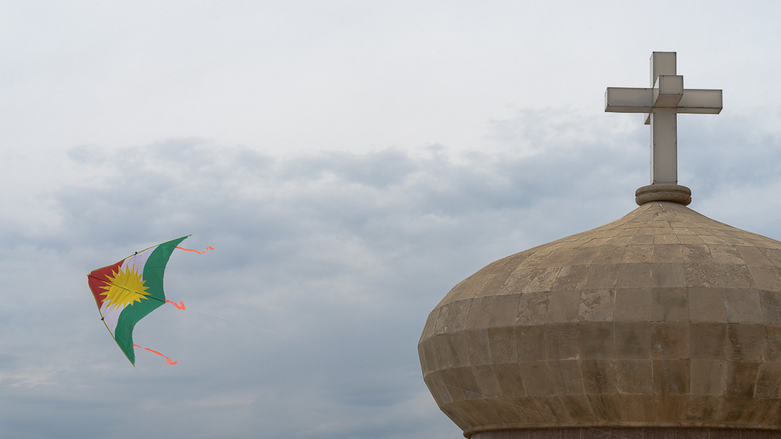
196	251
158	353
179	305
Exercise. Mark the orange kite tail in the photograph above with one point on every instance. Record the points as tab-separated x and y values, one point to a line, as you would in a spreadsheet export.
170	361
179	305
196	251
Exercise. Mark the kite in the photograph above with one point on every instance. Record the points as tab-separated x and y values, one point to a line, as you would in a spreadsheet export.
129	290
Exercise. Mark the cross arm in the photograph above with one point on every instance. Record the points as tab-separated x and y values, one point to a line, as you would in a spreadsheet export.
629	100
644	100
701	101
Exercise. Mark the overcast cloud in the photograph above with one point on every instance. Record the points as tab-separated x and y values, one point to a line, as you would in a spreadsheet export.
349	162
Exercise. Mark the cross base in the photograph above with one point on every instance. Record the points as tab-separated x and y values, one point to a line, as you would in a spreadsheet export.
663	192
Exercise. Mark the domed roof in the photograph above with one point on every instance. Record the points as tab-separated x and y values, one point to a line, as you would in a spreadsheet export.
663	318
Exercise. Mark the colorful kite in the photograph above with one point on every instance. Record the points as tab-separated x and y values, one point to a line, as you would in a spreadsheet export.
127	291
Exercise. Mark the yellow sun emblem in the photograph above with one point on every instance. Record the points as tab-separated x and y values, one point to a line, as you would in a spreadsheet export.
124	288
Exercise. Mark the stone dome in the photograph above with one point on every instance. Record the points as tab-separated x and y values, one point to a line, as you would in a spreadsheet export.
663	318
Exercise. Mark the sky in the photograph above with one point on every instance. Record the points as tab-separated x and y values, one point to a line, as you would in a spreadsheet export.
349	162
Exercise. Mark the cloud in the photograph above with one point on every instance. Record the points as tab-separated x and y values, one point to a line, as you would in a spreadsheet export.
304	320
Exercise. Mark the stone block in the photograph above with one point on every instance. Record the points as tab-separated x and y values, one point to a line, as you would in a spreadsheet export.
671	377
696	253
596	340
663	239
605	406
734	409
725	254
707	305
668	275
690	239
536	257
586	254
596	305
452	316
599	376
479	314
736	276
741	378
495	282
753	256
562	341
632	305
602	276
477	347
702	275
707	341
507	412
579	408
540	279
566	377
510	380
667	254
571	277
563	306
540	381
460	381
530	343
765	277
713	240
526	409
440	353
670	408
771	346
553	410
503	310
633	340
613	254
773	254
635	276
459	349
634	377
502	343
480	409
638	253
533	308
639	239
744	342
742	306
515	282
637	408
768	381
770	301
707	377
560	257
486	381
670	340
702	409
670	305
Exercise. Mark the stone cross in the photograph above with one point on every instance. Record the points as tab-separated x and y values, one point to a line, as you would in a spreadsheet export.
661	104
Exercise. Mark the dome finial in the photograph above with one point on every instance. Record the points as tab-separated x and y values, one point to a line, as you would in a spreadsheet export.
661	104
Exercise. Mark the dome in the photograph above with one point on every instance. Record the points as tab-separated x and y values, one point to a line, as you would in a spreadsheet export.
663	318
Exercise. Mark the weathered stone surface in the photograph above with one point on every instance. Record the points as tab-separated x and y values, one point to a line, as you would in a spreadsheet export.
628	433
661	320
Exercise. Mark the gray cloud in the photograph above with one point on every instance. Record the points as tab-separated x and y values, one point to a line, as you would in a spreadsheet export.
303	321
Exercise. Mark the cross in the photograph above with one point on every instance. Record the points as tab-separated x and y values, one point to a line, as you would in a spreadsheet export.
661	104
